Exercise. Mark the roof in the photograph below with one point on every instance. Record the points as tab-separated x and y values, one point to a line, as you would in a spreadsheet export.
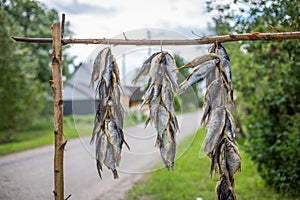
77	87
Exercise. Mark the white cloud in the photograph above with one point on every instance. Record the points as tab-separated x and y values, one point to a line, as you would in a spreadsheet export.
119	16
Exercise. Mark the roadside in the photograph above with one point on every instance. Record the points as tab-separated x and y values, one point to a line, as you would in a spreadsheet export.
29	174
41	133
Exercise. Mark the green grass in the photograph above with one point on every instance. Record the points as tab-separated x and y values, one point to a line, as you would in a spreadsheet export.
41	133
190	178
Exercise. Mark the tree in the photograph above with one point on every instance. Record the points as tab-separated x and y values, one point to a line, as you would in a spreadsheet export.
19	92
266	78
34	20
25	69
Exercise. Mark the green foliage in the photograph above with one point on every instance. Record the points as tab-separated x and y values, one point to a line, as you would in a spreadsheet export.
190	178
20	94
25	68
40	133
266	78
33	19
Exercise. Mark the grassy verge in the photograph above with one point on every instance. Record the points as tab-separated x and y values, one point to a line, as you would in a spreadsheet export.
190	179
41	133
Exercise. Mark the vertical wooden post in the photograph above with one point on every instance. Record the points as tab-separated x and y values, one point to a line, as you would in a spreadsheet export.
57	87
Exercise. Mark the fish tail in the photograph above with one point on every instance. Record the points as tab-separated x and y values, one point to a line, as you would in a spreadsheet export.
99	168
172	166
126	144
147	122
115	174
92	139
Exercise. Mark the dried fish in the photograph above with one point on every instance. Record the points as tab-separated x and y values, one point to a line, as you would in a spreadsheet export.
110	161
214	96
108	123
101	147
233	159
114	140
230	127
161	122
224	189
98	68
198	74
145	68
199	60
225	68
214	129
162	81
168	148
101	111
220	145
171	71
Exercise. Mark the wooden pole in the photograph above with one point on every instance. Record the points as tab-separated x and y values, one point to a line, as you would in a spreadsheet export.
57	86
203	40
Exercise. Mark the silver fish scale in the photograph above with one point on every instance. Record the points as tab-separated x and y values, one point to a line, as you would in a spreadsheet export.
214	128
214	96
115	140
233	159
230	126
168	149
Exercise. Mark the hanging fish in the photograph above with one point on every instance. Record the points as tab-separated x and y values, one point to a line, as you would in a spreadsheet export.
199	60
171	71
108	123
220	145
232	160
101	148
167	147
160	68
98	66
101	110
198	74
213	74
145	68
214	129
225	66
224	189
214	96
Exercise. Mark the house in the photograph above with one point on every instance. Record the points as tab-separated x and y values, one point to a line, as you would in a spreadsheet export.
79	98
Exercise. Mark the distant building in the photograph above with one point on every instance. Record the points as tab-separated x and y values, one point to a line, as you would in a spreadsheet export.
79	98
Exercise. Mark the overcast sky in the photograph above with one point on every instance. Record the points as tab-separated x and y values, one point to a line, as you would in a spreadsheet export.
109	19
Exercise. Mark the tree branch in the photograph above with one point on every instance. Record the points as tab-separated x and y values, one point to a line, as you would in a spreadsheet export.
202	40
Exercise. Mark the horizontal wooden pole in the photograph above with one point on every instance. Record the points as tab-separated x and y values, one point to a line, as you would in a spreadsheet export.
202	40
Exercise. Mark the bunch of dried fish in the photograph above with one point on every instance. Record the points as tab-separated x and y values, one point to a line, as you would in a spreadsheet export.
108	123
161	70
220	145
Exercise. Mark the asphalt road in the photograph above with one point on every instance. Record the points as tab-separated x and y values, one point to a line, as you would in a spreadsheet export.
28	175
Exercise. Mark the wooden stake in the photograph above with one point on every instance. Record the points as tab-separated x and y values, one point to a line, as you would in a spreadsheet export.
57	87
